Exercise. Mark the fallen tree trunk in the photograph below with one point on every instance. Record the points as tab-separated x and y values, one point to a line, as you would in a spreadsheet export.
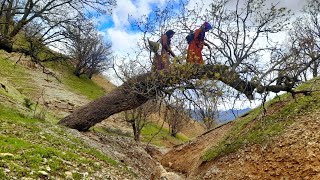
138	90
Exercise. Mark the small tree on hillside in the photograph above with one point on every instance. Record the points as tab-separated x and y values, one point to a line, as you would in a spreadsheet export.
138	117
203	107
100	58
175	117
87	49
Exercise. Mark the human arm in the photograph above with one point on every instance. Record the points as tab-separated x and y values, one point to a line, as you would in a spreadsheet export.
171	52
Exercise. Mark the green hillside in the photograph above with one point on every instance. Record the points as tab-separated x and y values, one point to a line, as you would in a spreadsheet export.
32	145
257	127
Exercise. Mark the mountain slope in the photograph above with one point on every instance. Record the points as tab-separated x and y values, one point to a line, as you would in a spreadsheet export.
292	155
283	143
32	145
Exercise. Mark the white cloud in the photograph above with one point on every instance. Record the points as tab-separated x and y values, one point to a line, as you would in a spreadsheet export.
136	10
123	42
122	39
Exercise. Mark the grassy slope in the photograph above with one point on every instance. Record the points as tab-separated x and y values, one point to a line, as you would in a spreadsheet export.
255	128
31	147
151	133
161	136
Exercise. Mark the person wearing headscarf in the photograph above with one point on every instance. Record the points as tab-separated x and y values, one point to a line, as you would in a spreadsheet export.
196	45
163	60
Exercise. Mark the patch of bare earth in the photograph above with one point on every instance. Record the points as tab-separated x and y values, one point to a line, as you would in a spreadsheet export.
136	156
55	95
293	155
187	157
49	92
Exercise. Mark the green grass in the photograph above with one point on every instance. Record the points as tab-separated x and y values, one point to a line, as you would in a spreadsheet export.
254	129
84	86
29	145
17	76
81	85
150	129
147	133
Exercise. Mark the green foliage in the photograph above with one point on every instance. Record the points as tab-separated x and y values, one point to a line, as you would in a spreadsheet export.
255	128
150	129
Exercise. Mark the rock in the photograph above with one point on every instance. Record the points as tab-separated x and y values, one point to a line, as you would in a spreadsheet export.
170	176
6	155
68	175
43	173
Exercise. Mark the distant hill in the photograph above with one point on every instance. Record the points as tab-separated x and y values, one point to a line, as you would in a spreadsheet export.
230	114
223	116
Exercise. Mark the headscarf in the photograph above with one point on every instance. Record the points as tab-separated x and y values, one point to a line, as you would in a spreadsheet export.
207	26
169	33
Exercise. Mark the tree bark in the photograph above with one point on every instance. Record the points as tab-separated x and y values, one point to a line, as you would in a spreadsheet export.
118	100
136	131
140	89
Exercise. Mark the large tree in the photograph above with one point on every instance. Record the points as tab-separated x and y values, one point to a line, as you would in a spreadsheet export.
138	90
240	37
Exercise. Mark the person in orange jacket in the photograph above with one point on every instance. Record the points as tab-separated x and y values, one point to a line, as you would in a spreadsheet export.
196	45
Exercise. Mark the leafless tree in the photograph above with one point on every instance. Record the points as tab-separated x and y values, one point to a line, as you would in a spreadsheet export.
206	108
176	116
138	117
100	58
51	15
236	61
87	49
305	39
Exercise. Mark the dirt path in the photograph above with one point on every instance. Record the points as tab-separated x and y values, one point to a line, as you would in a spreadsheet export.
186	158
